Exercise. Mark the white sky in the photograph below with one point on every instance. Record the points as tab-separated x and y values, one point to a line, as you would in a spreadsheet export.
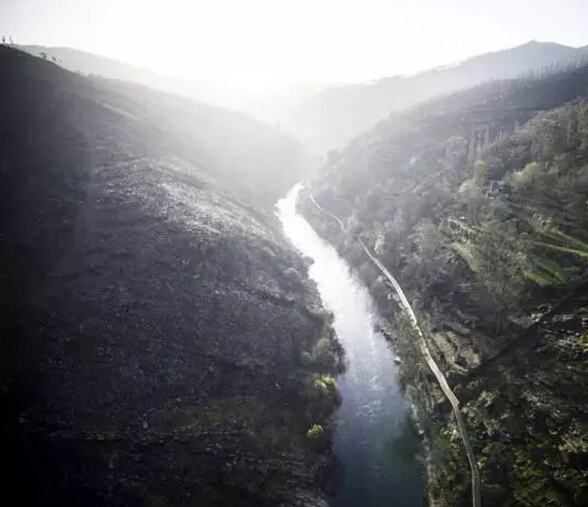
292	40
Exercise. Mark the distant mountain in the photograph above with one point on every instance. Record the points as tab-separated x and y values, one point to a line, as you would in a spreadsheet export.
264	103
335	116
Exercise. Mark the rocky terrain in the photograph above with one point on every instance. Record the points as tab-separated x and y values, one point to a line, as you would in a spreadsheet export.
161	342
477	204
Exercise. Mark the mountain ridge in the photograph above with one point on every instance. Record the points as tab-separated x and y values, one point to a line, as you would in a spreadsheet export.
160	336
224	93
336	115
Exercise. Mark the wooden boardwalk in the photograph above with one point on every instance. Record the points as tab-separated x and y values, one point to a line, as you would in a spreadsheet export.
407	308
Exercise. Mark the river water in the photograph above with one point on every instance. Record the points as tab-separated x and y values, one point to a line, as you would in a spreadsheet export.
374	442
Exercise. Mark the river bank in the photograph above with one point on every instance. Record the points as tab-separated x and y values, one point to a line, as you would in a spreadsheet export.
374	441
518	408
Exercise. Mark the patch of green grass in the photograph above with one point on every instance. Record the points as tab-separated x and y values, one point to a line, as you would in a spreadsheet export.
316	431
465	252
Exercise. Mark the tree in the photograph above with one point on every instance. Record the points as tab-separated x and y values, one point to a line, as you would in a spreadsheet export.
428	258
480	173
500	260
471	195
43	55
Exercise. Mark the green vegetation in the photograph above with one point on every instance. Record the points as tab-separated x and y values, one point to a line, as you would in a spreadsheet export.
495	217
315	432
477	203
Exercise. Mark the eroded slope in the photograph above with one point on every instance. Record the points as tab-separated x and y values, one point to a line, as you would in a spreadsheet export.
162	344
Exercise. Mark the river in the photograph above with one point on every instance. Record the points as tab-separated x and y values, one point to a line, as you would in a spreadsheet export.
374	443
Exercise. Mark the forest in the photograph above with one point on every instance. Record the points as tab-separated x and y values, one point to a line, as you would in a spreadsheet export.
477	202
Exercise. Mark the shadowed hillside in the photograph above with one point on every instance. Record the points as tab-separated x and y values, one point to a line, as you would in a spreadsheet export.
161	342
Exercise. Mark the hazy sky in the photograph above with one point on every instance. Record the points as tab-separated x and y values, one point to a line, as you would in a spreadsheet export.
292	40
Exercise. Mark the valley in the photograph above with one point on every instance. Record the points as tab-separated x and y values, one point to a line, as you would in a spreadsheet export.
195	314
492	267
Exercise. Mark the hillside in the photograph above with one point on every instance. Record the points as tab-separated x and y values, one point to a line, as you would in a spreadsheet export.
477	204
334	117
161	342
91	64
246	155
253	160
264	102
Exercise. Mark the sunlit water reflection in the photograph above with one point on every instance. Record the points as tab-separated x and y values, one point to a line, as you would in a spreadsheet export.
374	444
